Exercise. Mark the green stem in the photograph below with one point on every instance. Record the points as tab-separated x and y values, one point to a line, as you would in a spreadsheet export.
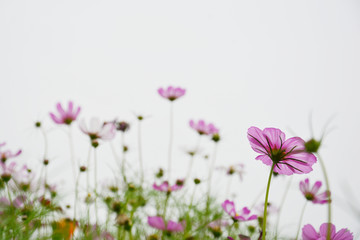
266	202
72	153
123	160
9	194
140	153
165	205
171	131
95	172
211	169
328	235
301	218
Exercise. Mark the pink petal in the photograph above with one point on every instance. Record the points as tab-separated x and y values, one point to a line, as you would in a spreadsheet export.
161	92
257	140
60	109
265	159
275	136
156	222
56	119
343	234
83	127
70	107
108	131
316	187
323	230
309	233
174	226
229	207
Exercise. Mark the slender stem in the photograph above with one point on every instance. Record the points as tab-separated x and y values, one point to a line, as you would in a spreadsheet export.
140	153
266	201
300	221
88	172
328	235
282	204
45	143
9	194
76	195
95	177
192	159
165	205
171	131
123	160
72	153
211	169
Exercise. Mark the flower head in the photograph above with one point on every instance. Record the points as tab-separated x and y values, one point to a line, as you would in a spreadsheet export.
243	215
234	169
122	126
309	233
65	117
98	130
7	171
171	93
202	128
311	194
165	187
159	223
289	156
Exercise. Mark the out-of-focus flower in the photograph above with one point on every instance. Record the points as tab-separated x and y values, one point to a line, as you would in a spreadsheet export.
171	93
2	144
5	155
95	233
215	227
122	126
165	187
7	171
241	237
234	169
271	209
65	117
159	223
64	228
243	215
289	156
312	194
98	130
309	233
203	128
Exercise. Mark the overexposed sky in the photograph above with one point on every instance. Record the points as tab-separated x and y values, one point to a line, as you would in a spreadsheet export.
243	63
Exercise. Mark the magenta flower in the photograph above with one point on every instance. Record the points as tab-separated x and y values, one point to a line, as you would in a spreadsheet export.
65	117
171	93
243	215
311	194
289	156
165	187
158	223
202	128
8	154
309	233
98	130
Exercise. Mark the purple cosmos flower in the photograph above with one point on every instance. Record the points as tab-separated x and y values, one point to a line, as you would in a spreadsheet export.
8	154
98	130
311	194
289	156
158	223
171	93
243	215
65	117
309	233
165	187
202	128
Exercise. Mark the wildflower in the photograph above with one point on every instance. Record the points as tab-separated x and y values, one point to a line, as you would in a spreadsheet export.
312	194
165	187
171	93
215	227
271	209
243	215
122	126
8	154
171	226
202	128
309	233
288	156
65	117
232	169
7	171
97	130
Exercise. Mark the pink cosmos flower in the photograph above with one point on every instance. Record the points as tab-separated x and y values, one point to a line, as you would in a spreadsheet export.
236	168
98	130
202	128
65	117
312	194
171	93
165	187
243	215
289	156
7	170
158	223
8	154
309	233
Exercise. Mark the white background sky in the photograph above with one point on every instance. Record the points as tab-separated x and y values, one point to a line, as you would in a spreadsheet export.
243	63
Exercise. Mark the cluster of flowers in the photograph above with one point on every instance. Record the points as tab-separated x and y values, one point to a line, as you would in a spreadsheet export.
284	156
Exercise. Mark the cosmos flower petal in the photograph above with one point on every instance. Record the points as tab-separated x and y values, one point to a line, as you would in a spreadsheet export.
257	140
323	230
275	137
156	222
174	226
265	159
309	233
